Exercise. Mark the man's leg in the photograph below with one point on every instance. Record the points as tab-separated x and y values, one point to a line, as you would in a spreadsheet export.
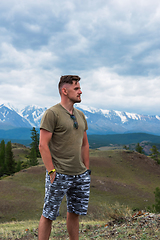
44	229
73	226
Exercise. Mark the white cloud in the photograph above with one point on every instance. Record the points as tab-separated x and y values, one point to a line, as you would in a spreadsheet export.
111	91
113	45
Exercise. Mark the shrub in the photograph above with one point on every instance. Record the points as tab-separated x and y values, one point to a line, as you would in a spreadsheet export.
157	200
118	212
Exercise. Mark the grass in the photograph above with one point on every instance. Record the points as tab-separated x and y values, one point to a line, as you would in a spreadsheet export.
121	181
123	227
59	231
17	229
22	195
88	229
127	177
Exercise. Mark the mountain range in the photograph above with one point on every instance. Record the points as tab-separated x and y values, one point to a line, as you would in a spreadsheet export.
99	121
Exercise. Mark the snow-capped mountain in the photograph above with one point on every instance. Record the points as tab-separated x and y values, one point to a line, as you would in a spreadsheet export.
99	121
110	121
33	115
9	118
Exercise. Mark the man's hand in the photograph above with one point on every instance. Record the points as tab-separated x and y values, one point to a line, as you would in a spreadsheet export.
52	177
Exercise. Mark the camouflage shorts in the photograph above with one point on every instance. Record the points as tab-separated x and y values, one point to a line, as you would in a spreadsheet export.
76	188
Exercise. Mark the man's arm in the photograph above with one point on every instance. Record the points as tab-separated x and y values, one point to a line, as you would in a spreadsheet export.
85	151
45	138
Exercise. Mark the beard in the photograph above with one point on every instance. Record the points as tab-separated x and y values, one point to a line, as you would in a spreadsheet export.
76	100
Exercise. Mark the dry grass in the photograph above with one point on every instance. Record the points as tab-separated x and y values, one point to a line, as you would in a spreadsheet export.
18	230
20	152
22	195
140	226
127	177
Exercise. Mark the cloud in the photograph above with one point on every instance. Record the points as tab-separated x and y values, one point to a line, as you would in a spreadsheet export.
114	92
113	45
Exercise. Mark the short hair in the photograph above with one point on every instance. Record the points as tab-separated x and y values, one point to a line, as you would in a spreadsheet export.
67	79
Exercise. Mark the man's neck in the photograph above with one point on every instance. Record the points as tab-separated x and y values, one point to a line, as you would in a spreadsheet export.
67	106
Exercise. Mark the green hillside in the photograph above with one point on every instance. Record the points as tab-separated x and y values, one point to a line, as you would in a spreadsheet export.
122	183
124	176
117	176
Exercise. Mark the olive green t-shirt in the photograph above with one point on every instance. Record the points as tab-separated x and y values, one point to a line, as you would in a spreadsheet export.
66	142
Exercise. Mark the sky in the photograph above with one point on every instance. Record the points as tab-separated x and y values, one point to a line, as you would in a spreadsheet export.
113	45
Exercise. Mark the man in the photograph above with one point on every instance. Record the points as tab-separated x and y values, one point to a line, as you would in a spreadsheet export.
65	152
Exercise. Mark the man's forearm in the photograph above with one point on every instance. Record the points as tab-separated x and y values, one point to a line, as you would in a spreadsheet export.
85	155
46	157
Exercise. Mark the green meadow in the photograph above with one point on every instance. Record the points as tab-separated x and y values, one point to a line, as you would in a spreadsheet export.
122	182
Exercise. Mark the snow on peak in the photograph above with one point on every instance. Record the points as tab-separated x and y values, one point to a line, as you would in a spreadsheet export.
122	116
31	108
86	108
105	111
133	116
158	117
7	105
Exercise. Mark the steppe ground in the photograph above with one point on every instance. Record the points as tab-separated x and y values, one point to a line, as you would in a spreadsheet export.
122	183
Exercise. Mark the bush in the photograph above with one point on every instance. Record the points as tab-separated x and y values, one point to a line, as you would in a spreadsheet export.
157	200
117	212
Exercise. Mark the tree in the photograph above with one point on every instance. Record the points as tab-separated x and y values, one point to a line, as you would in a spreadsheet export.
125	147
35	141
2	157
33	157
18	166
157	199
9	159
139	149
155	153
34	152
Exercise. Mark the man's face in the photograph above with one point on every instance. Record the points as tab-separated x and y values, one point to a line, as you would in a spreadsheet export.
74	92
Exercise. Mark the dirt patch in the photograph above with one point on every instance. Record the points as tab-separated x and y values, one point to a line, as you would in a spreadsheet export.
140	160
35	170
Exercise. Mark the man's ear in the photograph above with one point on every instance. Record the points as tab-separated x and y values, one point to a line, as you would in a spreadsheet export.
64	91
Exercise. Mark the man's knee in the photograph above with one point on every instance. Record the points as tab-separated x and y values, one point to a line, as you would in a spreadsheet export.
45	220
72	215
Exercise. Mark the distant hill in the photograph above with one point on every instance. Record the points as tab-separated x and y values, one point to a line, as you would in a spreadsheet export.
99	121
97	141
23	136
17	135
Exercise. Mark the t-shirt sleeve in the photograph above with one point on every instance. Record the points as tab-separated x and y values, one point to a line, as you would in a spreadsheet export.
48	121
